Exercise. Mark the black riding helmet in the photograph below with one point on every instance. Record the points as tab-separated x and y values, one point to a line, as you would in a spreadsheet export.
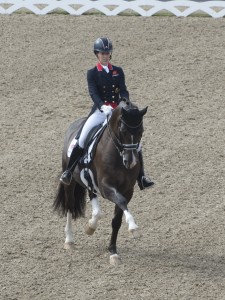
103	45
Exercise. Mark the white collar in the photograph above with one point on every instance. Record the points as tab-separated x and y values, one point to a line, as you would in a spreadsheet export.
106	68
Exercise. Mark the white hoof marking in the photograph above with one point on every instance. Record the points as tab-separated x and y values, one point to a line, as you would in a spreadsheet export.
135	234
115	260
69	246
89	230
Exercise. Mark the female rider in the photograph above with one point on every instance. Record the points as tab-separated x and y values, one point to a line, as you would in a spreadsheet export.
106	85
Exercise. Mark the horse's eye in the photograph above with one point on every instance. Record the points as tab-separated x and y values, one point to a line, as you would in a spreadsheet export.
124	132
123	129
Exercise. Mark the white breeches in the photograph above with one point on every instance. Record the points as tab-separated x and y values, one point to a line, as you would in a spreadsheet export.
95	119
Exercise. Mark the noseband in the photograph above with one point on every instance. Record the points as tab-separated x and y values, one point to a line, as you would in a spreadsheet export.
117	143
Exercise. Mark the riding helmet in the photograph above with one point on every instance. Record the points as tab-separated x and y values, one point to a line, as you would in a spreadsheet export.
103	45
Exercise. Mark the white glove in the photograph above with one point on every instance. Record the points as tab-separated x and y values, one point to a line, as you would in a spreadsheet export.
106	109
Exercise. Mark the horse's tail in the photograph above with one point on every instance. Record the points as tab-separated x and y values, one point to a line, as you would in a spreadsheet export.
72	198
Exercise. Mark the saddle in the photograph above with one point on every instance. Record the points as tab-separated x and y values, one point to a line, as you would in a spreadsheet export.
90	146
92	142
86	174
92	135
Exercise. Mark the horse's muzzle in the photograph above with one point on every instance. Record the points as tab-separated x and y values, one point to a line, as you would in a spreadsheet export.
130	159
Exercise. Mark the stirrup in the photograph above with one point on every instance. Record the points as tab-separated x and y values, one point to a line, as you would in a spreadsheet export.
66	177
145	183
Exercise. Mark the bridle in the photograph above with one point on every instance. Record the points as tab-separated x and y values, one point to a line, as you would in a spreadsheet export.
117	143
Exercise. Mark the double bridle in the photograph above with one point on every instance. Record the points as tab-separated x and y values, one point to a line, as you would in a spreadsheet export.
117	143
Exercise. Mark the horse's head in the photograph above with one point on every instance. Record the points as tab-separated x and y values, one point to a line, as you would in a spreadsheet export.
128	132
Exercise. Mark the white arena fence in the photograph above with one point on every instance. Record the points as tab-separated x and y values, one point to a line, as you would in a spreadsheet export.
179	8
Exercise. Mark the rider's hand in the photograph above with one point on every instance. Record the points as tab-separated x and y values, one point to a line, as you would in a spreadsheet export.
106	109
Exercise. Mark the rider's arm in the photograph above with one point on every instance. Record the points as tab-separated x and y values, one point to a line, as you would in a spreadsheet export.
93	88
123	89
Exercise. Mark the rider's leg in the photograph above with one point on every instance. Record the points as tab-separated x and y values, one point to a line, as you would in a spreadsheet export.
77	152
95	119
143	181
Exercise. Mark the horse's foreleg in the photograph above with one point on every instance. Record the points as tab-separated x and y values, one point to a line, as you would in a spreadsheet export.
132	227
122	203
96	216
116	224
69	242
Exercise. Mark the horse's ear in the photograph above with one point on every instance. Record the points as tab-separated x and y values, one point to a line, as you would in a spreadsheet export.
143	111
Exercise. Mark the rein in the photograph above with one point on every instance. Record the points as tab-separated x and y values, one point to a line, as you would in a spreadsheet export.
117	143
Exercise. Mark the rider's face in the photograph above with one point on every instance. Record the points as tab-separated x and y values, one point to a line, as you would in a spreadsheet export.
104	58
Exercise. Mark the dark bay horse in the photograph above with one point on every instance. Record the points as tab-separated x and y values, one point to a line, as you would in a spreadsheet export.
112	171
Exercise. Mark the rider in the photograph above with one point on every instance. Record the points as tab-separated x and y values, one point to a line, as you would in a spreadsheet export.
106	85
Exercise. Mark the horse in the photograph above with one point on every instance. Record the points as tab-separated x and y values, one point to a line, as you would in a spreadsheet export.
112	173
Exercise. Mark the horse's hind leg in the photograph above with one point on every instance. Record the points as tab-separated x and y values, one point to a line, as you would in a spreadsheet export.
116	224
96	215
69	242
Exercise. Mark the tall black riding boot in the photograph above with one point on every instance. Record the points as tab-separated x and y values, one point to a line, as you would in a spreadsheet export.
143	181
75	155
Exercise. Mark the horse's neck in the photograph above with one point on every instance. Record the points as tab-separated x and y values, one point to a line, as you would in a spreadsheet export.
109	135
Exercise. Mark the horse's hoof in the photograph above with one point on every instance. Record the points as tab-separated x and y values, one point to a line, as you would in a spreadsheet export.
135	234
89	230
69	246
115	260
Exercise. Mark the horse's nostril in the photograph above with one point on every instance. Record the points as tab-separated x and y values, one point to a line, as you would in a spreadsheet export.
126	164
